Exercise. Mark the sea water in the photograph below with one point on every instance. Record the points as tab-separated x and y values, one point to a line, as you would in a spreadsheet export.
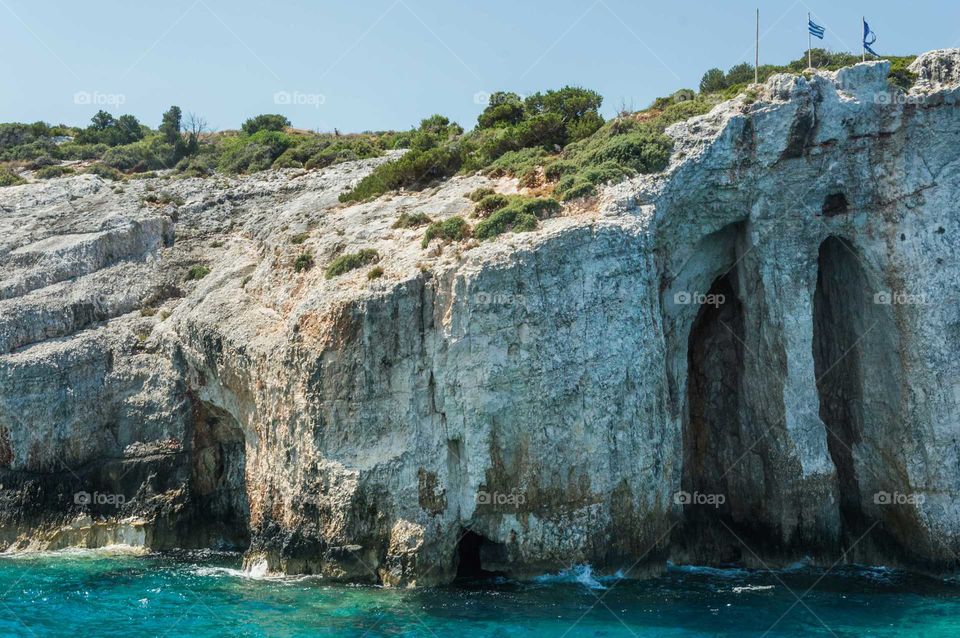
97	593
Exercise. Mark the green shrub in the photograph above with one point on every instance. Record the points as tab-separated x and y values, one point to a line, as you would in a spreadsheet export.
104	129
479	193
49	172
9	178
199	165
104	171
489	204
558	168
77	151
899	75
30	151
576	108
162	199
322	153
503	109
197	272
505	219
577	189
411	220
252	153
519	215
41	162
351	261
415	169
375	273
299	238
304	261
584	182
522	164
644	152
265	122
740	74
452	229
146	155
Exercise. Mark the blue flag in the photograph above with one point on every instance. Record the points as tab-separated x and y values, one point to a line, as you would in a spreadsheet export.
815	29
869	37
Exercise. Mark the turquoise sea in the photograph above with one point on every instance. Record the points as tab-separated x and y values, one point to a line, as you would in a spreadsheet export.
83	593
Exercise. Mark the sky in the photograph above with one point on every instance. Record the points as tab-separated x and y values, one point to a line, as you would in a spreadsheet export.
385	64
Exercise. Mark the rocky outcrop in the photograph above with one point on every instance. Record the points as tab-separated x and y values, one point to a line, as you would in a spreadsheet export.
750	357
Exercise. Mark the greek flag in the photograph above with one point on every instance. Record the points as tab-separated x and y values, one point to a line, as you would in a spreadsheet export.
869	37
815	29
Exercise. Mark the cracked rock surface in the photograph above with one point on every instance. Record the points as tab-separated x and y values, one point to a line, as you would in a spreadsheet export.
750	357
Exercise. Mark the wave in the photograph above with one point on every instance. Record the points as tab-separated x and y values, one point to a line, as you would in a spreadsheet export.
703	570
742	588
578	574
256	571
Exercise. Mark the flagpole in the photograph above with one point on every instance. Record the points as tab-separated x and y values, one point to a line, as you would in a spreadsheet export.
809	44
756	53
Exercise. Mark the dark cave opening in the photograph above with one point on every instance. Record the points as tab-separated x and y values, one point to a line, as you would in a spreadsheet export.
221	512
839	323
712	433
834	204
473	552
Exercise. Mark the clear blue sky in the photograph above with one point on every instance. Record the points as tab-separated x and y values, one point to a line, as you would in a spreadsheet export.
381	64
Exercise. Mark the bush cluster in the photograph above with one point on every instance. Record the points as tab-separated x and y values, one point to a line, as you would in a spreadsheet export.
9	178
716	81
411	220
303	261
351	261
197	272
517	214
452	229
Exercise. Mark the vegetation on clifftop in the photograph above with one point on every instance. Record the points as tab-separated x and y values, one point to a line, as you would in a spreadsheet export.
555	141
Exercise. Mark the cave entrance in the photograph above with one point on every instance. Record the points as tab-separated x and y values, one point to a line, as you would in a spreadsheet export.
840	313
712	433
474	552
221	513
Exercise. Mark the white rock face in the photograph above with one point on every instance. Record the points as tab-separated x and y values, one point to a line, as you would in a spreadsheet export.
752	356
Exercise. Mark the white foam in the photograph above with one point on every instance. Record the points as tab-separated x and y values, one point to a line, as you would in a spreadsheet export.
579	574
743	588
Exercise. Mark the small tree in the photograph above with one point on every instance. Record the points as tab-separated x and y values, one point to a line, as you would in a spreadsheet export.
740	74
196	125
712	81
576	107
503	109
265	122
128	130
102	121
170	125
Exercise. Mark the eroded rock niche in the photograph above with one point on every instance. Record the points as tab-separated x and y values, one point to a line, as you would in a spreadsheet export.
857	363
478	557
711	436
221	512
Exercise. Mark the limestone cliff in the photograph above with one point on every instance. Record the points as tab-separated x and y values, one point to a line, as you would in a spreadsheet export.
750	357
